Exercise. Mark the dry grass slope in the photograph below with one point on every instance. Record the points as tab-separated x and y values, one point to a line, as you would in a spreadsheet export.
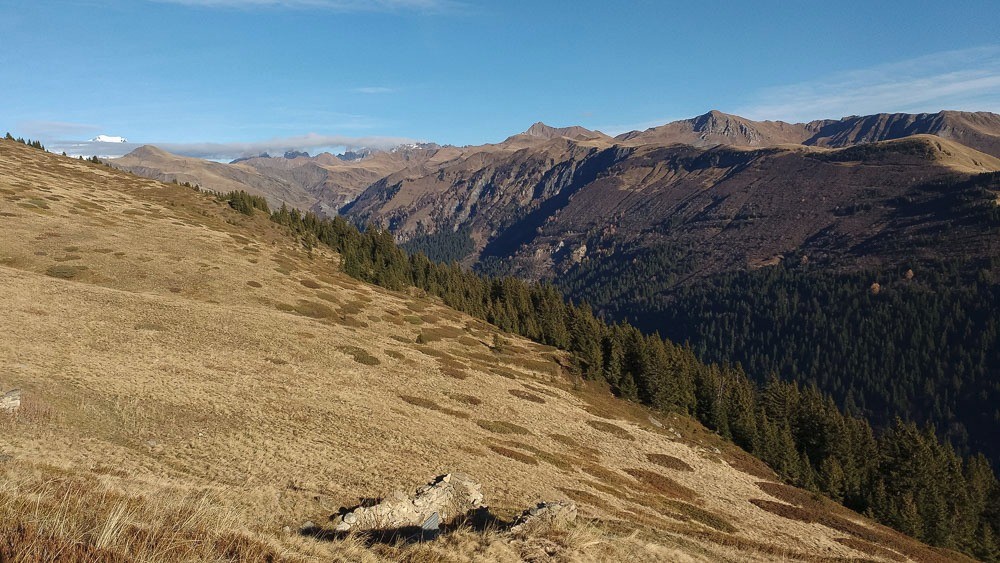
197	385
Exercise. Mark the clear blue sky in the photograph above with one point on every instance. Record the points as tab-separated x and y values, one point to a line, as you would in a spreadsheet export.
468	71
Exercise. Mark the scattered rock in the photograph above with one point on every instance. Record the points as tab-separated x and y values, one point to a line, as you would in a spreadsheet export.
10	401
546	514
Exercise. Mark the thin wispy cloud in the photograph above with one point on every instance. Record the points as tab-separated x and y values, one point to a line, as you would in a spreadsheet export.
329	5
967	79
311	142
374	90
40	129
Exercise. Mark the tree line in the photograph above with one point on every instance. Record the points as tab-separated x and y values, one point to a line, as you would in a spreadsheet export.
906	477
34	144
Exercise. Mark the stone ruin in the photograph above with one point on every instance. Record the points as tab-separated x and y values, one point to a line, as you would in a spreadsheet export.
10	401
445	498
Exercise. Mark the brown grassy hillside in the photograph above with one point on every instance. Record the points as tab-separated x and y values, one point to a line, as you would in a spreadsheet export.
196	385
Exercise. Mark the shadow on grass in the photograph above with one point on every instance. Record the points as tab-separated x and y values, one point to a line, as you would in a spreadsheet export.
478	520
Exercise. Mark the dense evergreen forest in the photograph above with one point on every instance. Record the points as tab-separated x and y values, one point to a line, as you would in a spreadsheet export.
446	246
920	343
905	477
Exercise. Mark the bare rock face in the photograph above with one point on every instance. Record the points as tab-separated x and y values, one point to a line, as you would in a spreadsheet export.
10	401
444	498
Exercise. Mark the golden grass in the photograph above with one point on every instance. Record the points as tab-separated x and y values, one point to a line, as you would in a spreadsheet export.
429	404
74	517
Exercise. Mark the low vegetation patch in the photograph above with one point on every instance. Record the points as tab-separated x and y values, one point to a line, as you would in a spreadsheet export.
313	309
612	429
700	515
662	484
669	461
327	297
64	271
502	427
612	480
351	308
465	399
504	372
434	334
431	405
578	448
68	258
526	396
454	373
360	355
514	454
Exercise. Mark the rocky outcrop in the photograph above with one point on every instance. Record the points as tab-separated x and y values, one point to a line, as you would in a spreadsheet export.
440	502
443	499
10	401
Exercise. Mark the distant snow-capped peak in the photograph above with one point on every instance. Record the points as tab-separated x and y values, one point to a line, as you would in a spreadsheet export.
108	139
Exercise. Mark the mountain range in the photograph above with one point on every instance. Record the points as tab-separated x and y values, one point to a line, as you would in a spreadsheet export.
326	183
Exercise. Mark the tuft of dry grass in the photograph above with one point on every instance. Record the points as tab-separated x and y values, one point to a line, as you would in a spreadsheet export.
47	515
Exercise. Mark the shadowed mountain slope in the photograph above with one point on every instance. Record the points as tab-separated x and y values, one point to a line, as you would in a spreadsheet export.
543	210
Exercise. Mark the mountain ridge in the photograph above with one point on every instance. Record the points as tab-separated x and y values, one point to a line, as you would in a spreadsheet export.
978	130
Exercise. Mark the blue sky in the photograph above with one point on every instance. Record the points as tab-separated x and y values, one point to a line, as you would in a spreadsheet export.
246	74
